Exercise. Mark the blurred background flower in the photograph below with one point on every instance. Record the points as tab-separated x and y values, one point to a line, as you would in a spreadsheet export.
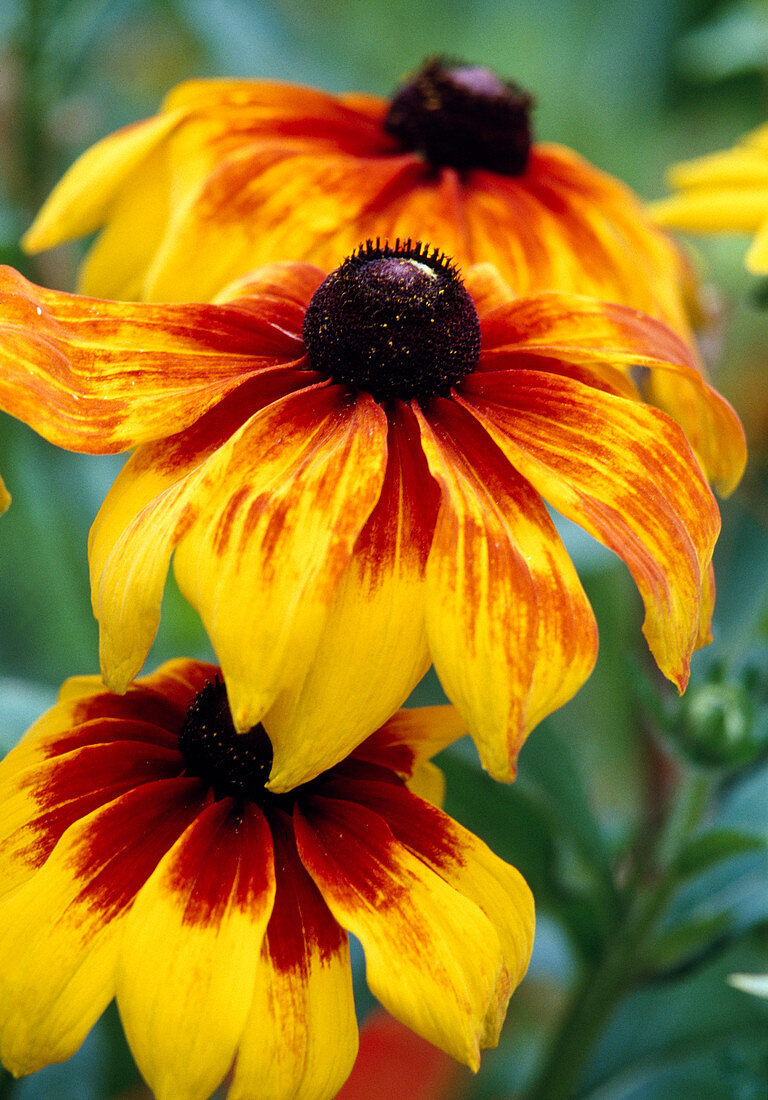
606	807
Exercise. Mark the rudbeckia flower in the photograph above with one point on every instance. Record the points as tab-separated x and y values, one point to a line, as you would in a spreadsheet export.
352	473
724	192
144	860
234	174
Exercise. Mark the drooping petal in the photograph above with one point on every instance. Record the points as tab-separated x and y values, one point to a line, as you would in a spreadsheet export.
351	690
460	858
626	474
60	931
152	504
511	632
284	507
83	199
300	1039
5	497
402	912
558	332
101	377
191	946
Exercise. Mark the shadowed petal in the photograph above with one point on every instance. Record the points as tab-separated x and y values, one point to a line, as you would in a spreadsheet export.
626	474
101	377
60	932
351	690
270	542
301	1036
510	630
398	908
191	946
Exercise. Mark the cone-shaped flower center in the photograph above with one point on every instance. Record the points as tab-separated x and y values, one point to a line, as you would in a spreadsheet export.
463	116
233	763
394	322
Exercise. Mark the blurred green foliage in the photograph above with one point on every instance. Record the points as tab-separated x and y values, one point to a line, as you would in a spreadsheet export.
633	85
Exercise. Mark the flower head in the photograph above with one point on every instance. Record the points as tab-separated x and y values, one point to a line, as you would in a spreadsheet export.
351	494
234	174
724	192
143	859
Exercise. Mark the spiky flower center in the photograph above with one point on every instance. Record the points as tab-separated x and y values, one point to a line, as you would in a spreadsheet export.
463	116
395	322
232	763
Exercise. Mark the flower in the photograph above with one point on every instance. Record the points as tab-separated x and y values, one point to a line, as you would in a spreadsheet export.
724	192
143	859
233	174
352	489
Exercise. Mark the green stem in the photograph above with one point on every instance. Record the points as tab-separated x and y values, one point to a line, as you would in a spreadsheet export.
616	971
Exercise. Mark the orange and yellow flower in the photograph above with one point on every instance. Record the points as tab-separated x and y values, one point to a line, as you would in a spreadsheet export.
343	516
143	860
234	174
724	192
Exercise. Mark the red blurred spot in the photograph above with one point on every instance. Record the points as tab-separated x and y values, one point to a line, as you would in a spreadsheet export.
396	1064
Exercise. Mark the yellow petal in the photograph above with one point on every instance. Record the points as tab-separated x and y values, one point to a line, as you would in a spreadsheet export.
60	931
300	1039
351	690
403	914
274	536
511	632
190	950
83	198
411	737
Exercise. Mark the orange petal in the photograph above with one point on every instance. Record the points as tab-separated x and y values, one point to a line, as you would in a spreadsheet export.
548	331
626	474
102	376
511	632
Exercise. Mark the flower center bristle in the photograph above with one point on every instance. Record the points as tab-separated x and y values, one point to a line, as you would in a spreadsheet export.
232	763
463	116
395	322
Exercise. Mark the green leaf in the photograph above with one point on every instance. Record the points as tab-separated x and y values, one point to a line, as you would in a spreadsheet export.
713	847
681	944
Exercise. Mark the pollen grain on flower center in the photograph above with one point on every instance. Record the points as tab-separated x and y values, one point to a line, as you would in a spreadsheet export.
232	763
463	116
395	322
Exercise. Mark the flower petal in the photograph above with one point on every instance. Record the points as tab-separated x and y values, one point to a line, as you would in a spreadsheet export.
294	200
5	497
152	504
555	331
350	690
190	949
100	377
402	912
301	1036
460	858
626	474
82	200
269	545
59	932
511	632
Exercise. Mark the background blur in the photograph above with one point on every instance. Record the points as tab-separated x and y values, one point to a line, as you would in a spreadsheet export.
633	85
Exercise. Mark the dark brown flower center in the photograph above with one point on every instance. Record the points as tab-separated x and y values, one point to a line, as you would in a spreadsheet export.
462	116
232	763
393	322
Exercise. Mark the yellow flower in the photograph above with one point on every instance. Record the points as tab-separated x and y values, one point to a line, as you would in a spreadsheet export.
724	192
143	860
352	472
234	174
